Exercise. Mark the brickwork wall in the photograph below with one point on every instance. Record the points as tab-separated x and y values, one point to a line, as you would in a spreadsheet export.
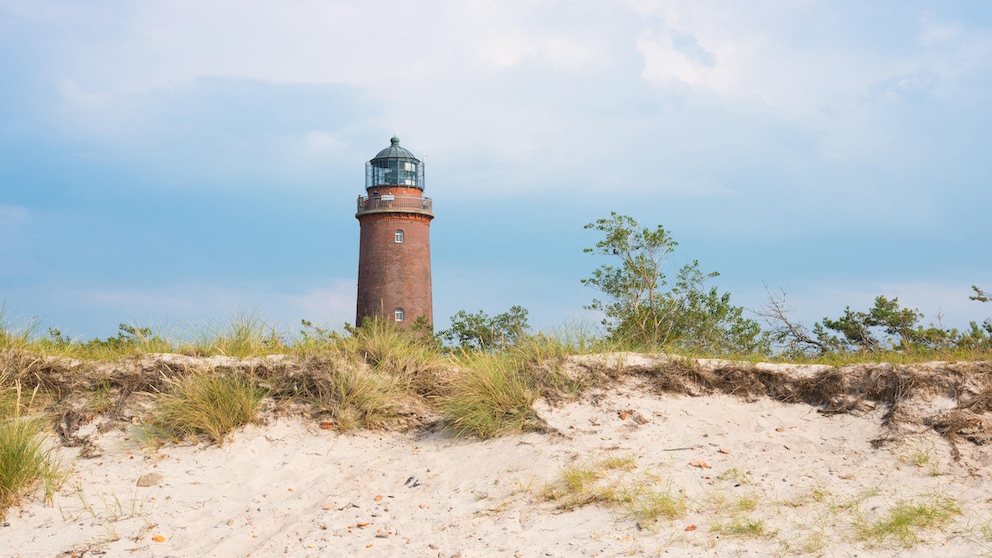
392	275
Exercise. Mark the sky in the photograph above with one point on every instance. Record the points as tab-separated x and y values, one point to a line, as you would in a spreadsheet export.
176	163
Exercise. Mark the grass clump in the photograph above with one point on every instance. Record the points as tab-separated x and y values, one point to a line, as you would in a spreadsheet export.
743	526
25	462
207	404
906	518
578	479
491	396
353	398
651	506
607	482
409	355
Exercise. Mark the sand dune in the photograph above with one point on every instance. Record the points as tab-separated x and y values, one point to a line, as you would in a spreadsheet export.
756	476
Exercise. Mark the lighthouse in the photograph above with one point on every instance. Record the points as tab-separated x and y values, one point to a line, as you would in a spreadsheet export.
394	251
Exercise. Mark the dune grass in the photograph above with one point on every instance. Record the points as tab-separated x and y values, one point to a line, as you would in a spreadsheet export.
25	462
409	356
489	397
244	334
207	403
353	398
16	337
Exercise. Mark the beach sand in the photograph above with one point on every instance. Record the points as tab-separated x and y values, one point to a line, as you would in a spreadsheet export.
757	477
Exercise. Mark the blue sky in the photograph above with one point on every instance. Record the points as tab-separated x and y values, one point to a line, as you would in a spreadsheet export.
173	163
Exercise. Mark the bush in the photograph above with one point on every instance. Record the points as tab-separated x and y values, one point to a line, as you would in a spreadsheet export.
483	333
641	314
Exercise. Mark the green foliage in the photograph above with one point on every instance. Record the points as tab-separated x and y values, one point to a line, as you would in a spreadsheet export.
481	332
316	340
888	326
207	403
640	312
129	340
980	295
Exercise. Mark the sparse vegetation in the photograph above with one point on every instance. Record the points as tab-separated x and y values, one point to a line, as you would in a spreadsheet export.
607	482
921	454
907	519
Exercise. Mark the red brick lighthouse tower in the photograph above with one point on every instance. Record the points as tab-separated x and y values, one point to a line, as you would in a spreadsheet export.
394	254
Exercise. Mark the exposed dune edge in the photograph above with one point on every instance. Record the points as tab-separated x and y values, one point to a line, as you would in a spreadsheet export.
953	399
819	450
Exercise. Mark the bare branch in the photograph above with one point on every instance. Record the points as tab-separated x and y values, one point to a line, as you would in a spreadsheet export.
783	329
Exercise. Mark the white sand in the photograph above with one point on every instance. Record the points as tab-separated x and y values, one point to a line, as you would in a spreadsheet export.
288	488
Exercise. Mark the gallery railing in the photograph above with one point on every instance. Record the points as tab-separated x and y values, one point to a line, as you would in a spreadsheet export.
394	202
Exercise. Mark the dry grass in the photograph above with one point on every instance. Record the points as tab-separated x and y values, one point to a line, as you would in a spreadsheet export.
207	403
351	397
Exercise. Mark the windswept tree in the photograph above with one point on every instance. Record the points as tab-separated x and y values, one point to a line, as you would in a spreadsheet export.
889	326
982	296
640	309
885	326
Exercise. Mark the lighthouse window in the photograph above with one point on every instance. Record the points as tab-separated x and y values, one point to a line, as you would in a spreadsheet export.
398	237
398	314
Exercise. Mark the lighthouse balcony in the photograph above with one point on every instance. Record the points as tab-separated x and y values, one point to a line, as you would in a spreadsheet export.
397	203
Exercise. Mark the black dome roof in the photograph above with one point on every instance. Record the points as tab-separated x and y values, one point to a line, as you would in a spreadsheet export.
394	151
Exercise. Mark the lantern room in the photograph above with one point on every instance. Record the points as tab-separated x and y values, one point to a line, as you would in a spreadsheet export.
394	166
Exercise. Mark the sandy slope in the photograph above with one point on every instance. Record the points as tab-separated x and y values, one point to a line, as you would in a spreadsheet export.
288	488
